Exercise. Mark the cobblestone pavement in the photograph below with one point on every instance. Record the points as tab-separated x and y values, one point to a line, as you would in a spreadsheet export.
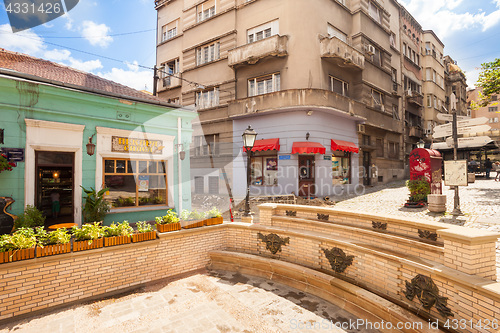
479	203
221	302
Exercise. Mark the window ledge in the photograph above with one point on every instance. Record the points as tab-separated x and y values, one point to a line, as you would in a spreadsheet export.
139	209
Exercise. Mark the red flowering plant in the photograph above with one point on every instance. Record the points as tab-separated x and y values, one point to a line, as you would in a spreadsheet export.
5	164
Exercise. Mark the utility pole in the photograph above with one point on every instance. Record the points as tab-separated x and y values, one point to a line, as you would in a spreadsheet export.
453	102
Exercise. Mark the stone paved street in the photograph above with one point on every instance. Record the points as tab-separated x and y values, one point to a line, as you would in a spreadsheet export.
479	202
224	302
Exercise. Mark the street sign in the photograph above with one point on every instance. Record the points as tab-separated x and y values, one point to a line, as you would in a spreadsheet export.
462	130
476	141
455	173
449	117
463	123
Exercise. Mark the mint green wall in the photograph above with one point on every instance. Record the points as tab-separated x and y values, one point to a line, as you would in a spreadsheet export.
20	100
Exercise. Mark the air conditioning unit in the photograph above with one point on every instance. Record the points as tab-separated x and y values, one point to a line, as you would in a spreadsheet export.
361	128
370	49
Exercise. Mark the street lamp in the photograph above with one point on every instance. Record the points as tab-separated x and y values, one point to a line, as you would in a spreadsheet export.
248	143
421	144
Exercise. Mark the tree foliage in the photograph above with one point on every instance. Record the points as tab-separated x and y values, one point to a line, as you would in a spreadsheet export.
489	80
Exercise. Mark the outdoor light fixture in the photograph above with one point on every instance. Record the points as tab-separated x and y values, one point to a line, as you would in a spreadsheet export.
421	144
90	146
248	142
1	136
307	135
182	153
55	174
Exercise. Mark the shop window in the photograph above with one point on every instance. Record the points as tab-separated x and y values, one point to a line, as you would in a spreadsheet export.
135	182
205	10
263	31
264	170
341	170
264	84
338	86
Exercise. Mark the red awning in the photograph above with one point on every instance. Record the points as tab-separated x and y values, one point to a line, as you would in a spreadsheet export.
344	146
266	144
308	148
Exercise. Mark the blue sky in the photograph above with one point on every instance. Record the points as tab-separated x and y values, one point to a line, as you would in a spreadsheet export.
125	30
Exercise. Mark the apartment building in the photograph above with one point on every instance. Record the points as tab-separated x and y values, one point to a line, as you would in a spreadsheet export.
321	82
433	84
491	111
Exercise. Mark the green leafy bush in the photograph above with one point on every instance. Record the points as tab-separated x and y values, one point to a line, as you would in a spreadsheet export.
170	217
195	215
143	226
118	229
214	212
23	238
88	232
31	218
95	206
58	236
419	189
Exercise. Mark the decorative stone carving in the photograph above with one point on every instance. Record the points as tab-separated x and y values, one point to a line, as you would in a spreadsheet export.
426	234
428	294
338	259
379	225
323	217
291	213
274	242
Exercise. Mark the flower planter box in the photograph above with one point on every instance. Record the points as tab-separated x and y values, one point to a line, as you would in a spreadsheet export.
50	250
192	224
145	236
213	221
16	255
116	240
84	245
168	227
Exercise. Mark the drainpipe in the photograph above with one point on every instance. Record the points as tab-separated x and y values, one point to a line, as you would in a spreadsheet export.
179	169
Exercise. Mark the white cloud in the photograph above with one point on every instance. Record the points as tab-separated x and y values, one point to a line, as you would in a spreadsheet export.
472	76
24	41
57	55
86	66
96	34
443	16
133	77
64	58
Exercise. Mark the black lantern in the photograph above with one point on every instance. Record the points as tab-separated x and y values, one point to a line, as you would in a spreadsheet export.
90	146
248	142
182	152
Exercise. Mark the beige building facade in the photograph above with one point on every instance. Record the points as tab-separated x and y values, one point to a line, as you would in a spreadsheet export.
297	71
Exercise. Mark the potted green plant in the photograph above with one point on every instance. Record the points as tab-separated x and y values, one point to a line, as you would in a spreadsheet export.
89	236
53	242
214	216
192	219
18	246
31	218
95	207
144	232
419	189
169	222
117	233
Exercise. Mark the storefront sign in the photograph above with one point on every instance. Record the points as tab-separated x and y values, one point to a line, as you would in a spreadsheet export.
13	154
327	157
133	145
284	157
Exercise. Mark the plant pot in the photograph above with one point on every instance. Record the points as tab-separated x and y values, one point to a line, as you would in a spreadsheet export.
192	224
50	250
218	220
16	255
84	245
168	227
145	236
208	221
411	204
116	240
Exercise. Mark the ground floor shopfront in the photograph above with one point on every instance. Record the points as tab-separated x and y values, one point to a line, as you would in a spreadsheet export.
137	159
311	154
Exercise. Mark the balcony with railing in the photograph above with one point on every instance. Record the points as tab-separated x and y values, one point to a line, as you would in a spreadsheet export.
334	48
169	82
249	54
414	97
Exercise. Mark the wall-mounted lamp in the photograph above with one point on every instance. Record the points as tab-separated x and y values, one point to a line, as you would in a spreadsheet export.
307	136
55	174
90	146
1	136
182	153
